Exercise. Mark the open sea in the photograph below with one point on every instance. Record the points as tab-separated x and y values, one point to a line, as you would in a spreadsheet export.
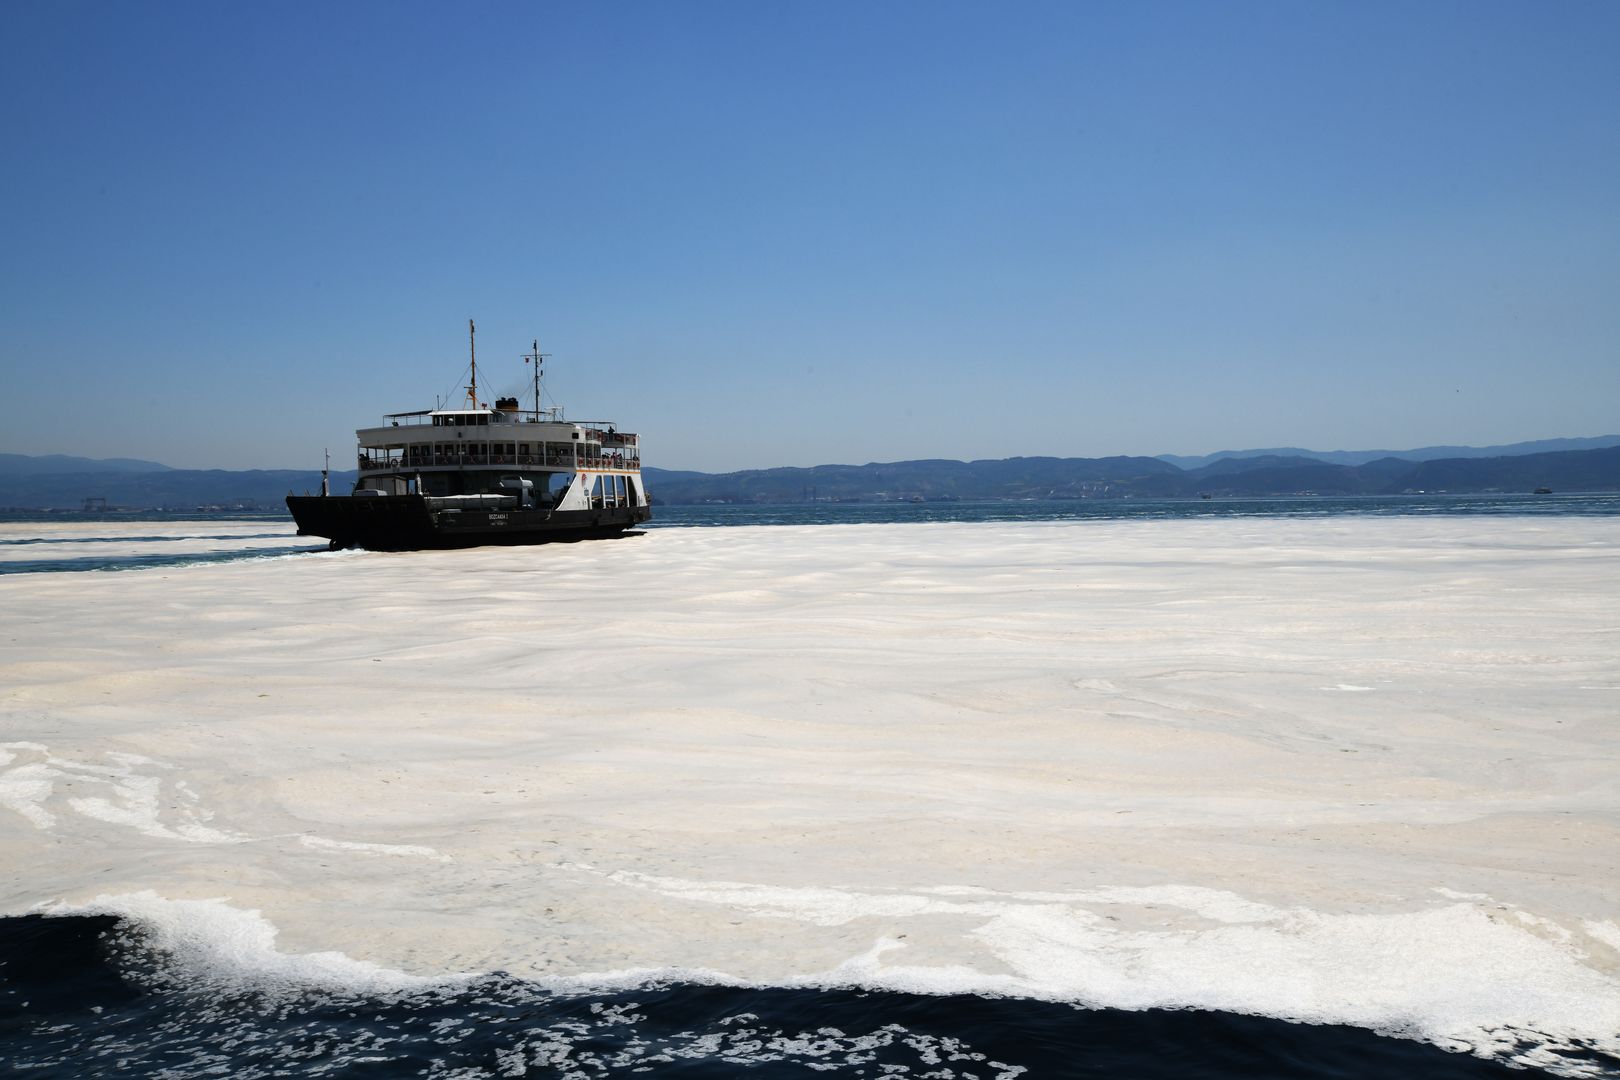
93	996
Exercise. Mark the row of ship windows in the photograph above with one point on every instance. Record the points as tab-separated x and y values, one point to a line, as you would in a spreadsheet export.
600	491
499	453
452	449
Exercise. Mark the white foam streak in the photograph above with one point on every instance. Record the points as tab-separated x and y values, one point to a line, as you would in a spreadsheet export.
210	941
135	797
130	794
24	790
1606	932
408	850
1457	975
1460	974
134	805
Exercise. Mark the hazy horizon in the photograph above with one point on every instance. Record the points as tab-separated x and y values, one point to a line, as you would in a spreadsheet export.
339	460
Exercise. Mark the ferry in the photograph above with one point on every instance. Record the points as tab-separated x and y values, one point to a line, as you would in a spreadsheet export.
476	475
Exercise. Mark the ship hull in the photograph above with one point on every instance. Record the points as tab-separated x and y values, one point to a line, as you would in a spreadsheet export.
408	523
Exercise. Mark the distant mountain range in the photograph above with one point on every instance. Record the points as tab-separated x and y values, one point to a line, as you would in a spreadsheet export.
1425	453
170	489
67	483
1136	477
57	464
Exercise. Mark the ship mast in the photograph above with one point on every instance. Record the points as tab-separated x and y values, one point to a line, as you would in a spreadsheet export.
535	358
472	350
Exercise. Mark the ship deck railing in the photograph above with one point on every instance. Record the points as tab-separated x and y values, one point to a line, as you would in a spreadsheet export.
558	461
424	418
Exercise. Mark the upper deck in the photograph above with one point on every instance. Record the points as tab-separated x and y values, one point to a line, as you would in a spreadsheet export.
433	439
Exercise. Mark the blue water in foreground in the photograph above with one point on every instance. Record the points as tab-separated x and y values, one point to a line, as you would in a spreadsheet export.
82	996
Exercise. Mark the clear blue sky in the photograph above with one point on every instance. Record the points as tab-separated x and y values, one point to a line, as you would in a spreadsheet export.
806	232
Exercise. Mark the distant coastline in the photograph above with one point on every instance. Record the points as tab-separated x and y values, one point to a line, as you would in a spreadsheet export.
29	483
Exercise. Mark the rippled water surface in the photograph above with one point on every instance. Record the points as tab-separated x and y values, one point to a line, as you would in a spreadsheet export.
83	996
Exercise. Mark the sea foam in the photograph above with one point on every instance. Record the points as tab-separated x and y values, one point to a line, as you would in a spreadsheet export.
1463	976
210	942
1119	763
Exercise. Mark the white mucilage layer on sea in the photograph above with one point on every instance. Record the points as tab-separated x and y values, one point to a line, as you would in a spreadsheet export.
1360	770
63	541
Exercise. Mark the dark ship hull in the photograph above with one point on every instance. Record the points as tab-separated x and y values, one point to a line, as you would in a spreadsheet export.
411	523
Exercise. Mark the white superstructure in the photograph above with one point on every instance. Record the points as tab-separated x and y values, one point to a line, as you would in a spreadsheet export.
504	452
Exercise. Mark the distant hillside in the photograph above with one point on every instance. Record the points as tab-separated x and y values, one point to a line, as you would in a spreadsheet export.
173	489
1589	470
1426	453
1008	478
1073	478
1233	465
51	464
899	481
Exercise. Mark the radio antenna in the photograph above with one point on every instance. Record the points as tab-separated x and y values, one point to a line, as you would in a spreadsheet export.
534	358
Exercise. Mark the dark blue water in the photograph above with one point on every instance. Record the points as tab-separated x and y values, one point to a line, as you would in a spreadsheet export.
1293	506
123	528
156	558
84	996
62	542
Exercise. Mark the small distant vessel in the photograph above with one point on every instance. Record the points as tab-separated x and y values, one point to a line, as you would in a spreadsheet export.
1543	491
470	476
